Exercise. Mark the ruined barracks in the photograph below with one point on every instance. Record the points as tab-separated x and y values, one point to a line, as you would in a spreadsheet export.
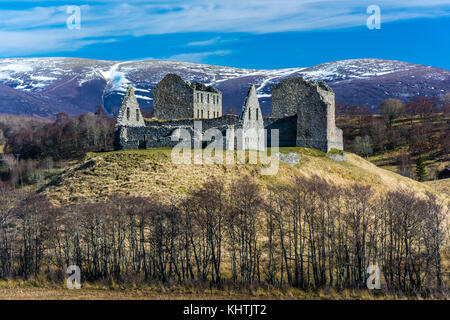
302	111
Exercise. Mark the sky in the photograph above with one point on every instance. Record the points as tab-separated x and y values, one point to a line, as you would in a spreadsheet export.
258	34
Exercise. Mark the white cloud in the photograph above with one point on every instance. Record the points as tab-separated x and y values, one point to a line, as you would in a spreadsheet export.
198	57
205	42
43	29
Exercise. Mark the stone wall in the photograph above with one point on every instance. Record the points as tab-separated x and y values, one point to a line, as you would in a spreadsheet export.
285	97
207	101
173	99
130	113
311	125
157	134
252	122
287	130
315	108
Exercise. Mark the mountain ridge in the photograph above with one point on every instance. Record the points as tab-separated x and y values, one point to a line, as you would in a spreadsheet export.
45	86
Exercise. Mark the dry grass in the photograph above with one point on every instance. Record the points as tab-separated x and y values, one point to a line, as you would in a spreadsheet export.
440	186
152	173
29	292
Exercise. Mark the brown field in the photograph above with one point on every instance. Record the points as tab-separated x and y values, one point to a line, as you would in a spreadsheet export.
90	293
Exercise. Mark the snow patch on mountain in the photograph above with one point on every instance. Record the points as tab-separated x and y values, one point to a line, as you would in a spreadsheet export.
116	80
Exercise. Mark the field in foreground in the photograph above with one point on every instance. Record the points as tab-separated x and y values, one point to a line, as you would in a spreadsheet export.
60	293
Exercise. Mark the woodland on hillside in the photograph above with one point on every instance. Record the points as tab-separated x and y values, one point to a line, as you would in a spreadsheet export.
400	134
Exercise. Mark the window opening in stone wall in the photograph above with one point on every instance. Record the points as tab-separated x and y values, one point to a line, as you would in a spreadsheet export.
128	113
137	115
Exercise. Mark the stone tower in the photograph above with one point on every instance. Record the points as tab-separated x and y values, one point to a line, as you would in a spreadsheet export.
130	113
314	104
252	122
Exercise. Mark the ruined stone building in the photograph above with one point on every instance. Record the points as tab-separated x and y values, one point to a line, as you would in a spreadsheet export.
130	114
174	98
238	132
302	111
313	104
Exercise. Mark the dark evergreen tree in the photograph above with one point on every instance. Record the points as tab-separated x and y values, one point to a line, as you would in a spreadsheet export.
421	171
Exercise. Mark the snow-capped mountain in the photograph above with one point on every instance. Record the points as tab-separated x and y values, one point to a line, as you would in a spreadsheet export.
45	86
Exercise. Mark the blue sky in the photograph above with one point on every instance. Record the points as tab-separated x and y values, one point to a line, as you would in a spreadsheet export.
239	33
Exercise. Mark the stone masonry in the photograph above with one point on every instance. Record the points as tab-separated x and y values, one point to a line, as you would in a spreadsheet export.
157	133
252	122
130	113
175	98
303	112
314	104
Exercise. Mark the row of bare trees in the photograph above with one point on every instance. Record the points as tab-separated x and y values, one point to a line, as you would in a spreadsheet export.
306	233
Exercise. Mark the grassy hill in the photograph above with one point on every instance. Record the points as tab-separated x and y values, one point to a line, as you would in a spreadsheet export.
151	172
440	186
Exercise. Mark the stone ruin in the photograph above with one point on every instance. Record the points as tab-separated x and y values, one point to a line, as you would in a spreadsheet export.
314	105
302	111
130	113
240	132
174	98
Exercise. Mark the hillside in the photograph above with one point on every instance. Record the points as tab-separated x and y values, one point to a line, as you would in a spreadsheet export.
45	86
412	135
440	186
151	173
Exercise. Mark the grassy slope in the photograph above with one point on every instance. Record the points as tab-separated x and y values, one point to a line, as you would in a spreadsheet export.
440	186
151	172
